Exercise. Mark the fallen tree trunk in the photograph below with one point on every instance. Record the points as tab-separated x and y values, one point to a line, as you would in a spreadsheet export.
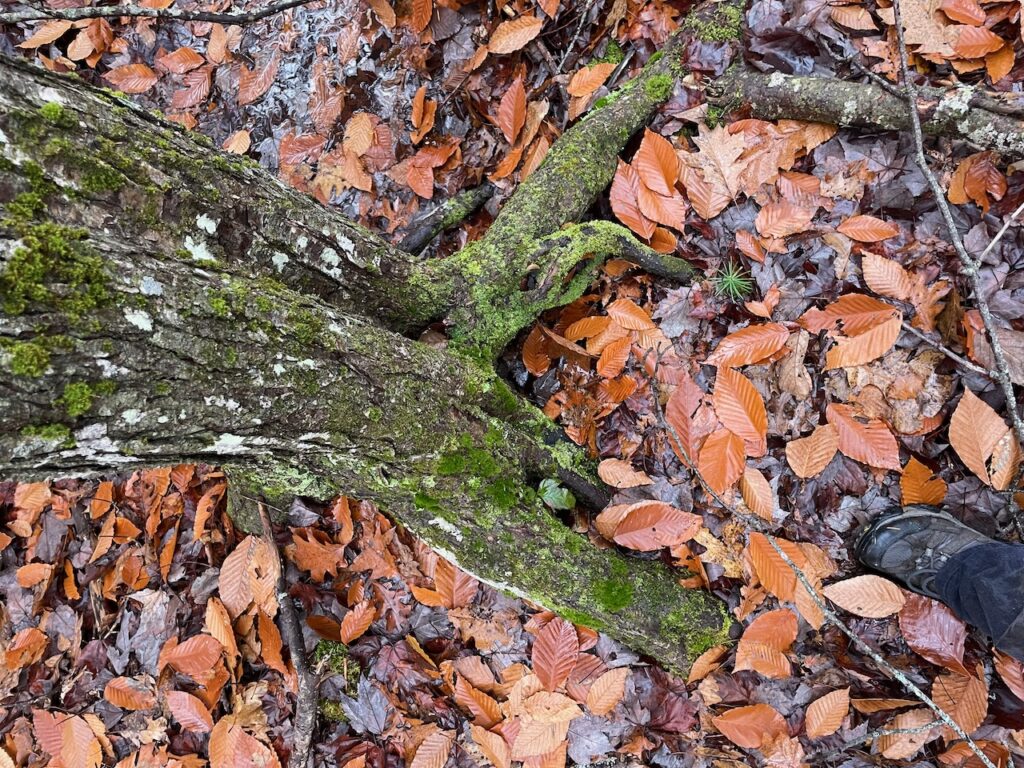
961	112
165	303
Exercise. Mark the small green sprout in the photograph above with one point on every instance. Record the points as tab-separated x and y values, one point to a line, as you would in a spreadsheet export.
733	282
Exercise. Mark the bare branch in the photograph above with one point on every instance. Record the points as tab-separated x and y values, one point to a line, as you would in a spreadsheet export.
948	352
304	721
115	11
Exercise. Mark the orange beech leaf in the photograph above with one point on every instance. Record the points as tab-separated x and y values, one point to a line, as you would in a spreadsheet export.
554	652
886	277
868	596
190	712
657	164
767	306
193	657
919	485
357	621
425	596
868	229
422	10
231	747
808	456
181	61
783	218
613	358
751	726
46	34
586	327
512	110
102	500
26	647
628	315
983	441
132	78
772	571
964	11
764	643
852	17
271	644
707	663
740	408
901	746
757	493
218	624
620	474
607	691
253	83
249	574
865	347
872	443
964	698
720	461
493	746
749	245
514	34
749	345
483	708
649	526
29	575
68	739
623	197
586	80
537	738
1012	673
855	313
961	755
535	352
870	706
825	715
129	693
976	42
456	587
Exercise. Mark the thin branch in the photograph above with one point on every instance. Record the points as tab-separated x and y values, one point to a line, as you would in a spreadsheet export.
821	757
948	352
180	14
304	721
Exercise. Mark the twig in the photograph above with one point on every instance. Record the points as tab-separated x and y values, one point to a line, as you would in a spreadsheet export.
971	266
89	12
304	721
579	29
874	77
821	757
826	611
948	352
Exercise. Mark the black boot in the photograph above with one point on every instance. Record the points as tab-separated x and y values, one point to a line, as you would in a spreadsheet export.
910	545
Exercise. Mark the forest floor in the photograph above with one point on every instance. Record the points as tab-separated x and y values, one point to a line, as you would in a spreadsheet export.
827	362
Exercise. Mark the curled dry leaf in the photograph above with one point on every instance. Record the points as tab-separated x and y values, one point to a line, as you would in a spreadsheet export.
868	596
825	715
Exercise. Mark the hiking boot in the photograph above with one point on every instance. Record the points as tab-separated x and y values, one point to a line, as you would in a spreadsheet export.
911	545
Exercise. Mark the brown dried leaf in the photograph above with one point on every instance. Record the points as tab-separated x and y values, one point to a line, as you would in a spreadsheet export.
867	596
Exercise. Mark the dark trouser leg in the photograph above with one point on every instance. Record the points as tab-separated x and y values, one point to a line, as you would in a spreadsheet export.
984	586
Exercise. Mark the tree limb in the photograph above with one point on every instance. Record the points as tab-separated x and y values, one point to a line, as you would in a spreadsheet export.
180	14
958	113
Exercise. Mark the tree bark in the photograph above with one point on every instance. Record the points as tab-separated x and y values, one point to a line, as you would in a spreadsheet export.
163	303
